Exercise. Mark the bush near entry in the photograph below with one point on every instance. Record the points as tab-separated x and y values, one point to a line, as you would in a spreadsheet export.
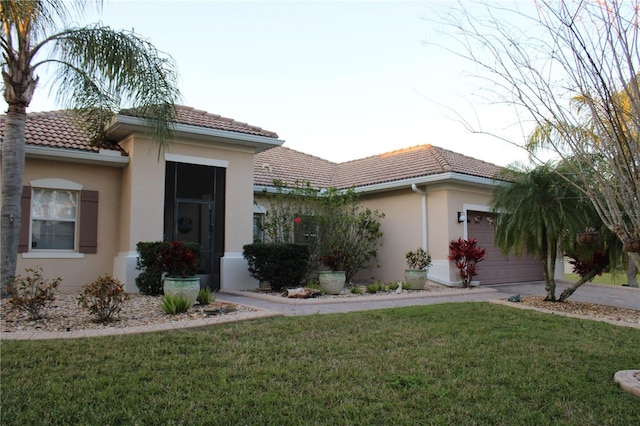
281	265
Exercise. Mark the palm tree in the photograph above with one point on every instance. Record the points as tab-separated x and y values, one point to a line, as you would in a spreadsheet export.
602	148
540	210
97	71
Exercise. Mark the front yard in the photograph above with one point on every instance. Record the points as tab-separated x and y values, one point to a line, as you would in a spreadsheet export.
471	363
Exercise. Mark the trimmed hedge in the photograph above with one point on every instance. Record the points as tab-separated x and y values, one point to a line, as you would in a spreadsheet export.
150	279
281	265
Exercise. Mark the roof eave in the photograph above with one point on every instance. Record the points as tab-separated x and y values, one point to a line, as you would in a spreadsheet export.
420	180
123	125
429	179
104	157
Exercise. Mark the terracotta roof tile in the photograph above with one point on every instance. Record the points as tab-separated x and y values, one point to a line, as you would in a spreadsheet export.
423	160
61	129
56	129
195	117
287	165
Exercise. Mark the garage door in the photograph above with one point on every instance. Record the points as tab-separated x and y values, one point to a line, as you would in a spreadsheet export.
495	268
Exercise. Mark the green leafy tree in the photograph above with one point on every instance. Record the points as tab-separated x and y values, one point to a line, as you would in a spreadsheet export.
329	221
540	213
97	71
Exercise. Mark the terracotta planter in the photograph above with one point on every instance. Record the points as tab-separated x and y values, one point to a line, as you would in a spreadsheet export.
332	282
416	278
631	246
587	237
187	287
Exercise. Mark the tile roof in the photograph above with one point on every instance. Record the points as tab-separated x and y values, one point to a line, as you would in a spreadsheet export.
61	129
288	165
195	117
55	129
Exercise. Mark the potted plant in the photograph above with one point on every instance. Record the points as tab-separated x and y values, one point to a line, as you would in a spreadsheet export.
418	262
589	236
332	279
179	265
466	255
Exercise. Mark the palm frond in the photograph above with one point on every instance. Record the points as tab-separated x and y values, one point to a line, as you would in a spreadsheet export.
101	69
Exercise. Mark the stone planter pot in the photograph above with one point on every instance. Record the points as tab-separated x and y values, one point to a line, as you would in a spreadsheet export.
416	278
332	282
188	287
587	237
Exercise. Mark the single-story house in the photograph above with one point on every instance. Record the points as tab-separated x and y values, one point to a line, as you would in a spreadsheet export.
85	208
429	195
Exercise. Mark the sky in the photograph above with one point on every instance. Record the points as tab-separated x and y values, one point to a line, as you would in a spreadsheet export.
338	80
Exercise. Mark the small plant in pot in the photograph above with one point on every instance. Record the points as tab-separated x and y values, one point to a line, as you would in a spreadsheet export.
418	262
332	279
180	265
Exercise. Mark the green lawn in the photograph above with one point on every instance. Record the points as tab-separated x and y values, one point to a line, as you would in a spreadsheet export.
611	279
451	364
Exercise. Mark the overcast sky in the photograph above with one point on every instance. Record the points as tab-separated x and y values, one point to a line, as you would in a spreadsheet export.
340	80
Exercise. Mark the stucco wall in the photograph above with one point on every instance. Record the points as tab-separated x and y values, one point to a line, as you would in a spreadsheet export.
107	181
142	206
402	227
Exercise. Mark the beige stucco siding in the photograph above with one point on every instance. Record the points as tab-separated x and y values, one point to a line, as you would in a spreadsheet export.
401	228
105	180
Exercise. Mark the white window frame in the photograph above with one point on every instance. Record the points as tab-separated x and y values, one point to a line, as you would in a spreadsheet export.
62	185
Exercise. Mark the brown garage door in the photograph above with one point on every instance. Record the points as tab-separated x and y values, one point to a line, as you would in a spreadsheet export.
495	268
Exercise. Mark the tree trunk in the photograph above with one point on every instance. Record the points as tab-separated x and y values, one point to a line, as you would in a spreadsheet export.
549	263
588	277
13	155
634	266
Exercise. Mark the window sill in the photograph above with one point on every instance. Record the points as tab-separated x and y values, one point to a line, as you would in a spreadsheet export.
52	255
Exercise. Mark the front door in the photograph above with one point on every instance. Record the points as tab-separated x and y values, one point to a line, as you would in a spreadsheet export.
194	212
194	223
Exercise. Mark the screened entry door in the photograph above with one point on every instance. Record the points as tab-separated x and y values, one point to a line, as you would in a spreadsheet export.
194	211
194	223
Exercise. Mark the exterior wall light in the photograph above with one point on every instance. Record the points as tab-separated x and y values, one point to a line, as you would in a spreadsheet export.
461	217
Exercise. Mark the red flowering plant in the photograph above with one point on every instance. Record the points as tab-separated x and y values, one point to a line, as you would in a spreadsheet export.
466	254
177	260
335	260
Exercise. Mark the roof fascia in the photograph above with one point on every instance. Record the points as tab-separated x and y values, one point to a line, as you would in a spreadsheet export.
402	184
124	124
103	158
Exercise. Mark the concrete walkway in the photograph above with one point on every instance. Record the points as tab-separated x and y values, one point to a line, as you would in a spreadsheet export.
622	297
351	304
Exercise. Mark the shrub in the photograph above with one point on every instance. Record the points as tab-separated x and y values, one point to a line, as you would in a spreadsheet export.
356	290
373	288
315	286
32	294
150	279
327	220
394	286
174	304
205	297
466	254
281	265
103	298
406	286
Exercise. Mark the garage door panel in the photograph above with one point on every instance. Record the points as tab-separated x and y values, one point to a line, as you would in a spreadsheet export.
496	268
